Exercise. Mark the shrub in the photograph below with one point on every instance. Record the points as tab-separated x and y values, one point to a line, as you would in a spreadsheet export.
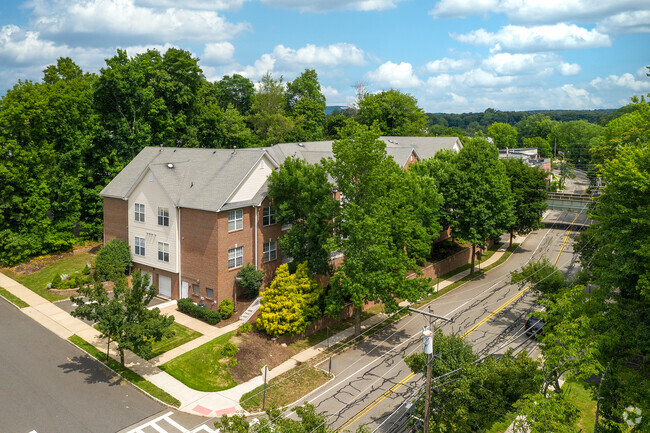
251	280
226	308
246	327
229	349
86	270
232	362
113	260
56	282
188	307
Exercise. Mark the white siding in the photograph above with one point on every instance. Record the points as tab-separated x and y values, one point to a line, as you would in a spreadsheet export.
150	193
252	184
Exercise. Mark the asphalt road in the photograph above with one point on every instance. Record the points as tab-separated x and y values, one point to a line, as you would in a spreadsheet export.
49	386
372	381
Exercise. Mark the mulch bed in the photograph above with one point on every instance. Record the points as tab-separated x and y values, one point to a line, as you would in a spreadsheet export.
257	349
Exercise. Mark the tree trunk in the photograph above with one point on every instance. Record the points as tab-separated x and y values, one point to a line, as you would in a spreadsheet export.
108	349
357	321
473	255
122	356
511	236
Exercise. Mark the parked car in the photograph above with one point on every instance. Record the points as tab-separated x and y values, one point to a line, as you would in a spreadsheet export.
534	326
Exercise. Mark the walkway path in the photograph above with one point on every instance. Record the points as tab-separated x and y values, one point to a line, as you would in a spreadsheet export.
192	401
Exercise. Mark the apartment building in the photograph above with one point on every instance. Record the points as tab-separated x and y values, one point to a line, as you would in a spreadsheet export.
194	217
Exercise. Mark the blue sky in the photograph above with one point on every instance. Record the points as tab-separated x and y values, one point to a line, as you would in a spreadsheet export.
452	55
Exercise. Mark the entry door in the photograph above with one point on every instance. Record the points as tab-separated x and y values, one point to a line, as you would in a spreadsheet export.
150	279
164	286
185	289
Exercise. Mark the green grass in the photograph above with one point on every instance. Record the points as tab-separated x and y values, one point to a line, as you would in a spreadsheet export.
37	282
203	368
579	393
284	389
181	336
13	298
126	373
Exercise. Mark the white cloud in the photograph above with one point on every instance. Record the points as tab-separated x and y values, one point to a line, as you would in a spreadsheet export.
219	53
264	64
529	64
329	5
448	65
626	22
539	11
626	81
123	20
330	55
394	75
221	5
540	38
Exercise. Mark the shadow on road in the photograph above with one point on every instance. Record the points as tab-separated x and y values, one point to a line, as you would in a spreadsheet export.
94	373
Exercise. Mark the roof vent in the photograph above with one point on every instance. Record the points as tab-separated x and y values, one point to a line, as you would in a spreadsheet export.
170	165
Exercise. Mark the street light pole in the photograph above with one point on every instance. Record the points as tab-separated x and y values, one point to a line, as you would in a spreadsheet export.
427	348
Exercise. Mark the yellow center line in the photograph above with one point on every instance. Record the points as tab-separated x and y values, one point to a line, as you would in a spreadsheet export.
469	331
377	401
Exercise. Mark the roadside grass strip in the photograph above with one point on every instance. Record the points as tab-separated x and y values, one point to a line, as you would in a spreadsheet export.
204	368
125	372
13	298
37	282
285	389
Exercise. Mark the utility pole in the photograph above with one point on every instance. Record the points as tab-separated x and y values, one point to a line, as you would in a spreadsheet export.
427	346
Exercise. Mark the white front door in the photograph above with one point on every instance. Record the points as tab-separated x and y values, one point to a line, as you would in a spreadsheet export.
164	286
185	288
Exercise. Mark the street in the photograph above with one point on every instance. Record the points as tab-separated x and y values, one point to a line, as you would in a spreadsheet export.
372	381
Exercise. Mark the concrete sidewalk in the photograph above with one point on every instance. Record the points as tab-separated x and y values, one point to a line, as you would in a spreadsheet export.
192	401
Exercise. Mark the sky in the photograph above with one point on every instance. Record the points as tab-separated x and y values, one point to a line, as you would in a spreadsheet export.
454	56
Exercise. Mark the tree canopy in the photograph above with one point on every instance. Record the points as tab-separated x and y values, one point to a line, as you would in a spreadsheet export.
394	113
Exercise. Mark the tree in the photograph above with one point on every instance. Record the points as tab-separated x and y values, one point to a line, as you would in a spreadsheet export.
576	138
113	260
306	104
290	303
503	134
536	125
474	394
394	112
481	203
528	187
237	91
373	227
304	198
543	148
542	414
124	318
541	275
268	116
251	280
235	131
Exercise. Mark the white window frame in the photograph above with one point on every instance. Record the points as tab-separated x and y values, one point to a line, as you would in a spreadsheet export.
139	212
163	252
235	220
140	249
269	251
163	216
235	257
269	216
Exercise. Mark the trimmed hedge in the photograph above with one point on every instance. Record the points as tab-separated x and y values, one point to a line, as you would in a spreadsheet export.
188	307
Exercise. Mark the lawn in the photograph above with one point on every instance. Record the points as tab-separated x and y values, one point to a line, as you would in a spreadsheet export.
126	373
37	282
181	336
204	368
284	389
13	298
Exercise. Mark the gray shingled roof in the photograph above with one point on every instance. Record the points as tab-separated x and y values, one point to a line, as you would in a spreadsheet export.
200	178
206	178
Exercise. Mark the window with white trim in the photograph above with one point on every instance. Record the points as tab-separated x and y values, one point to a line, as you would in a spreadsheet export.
269	251
235	257
139	246
235	220
163	251
139	212
268	215
163	216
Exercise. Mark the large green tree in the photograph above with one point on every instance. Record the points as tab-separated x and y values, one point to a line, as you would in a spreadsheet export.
304	198
394	112
373	227
268	116
306	104
528	188
503	134
237	91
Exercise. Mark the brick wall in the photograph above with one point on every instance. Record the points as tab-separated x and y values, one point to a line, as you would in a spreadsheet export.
155	273
116	219
450	263
266	234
